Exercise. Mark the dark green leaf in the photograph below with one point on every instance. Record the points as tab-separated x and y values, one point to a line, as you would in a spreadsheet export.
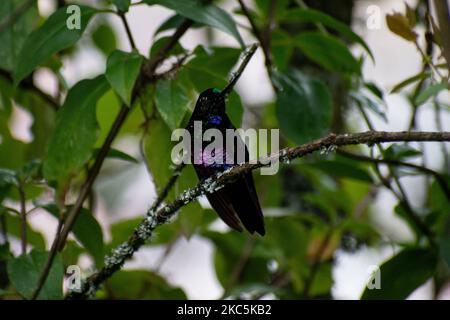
171	102
117	154
444	247
104	39
122	71
121	231
374	89
328	51
173	22
282	48
410	80
24	273
403	273
303	106
122	5
87	230
400	152
13	37
343	169
205	13
315	16
235	110
160	43
7	180
75	133
53	36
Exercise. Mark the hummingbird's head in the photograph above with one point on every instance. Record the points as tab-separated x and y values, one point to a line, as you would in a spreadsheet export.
210	102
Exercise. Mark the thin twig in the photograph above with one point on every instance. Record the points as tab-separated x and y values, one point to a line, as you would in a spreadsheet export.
23	219
153	219
236	75
259	35
128	30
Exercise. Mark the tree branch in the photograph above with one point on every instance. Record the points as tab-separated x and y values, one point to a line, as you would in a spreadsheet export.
154	218
265	43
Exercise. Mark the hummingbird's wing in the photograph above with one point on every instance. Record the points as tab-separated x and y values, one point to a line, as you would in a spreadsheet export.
220	201
245	203
238	201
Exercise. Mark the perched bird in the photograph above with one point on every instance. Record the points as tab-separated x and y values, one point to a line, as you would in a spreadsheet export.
237	202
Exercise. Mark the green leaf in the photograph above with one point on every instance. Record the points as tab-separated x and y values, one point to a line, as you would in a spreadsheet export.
122	5
87	230
205	13
161	42
235	110
24	273
364	101
117	154
13	37
429	92
171	102
343	169
158	153
210	67
310	15
410	80
282	48
121	231
328	51
174	22
400	152
122	71
303	106
104	39
74	137
7	180
438	201
140	284
402	274
53	36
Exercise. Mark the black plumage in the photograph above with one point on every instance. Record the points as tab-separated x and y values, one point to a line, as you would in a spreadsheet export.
237	203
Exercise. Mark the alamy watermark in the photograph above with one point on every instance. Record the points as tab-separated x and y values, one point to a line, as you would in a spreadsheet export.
73	22
211	148
374	281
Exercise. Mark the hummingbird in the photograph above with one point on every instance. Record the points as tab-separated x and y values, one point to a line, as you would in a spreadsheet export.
237	203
